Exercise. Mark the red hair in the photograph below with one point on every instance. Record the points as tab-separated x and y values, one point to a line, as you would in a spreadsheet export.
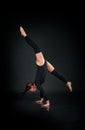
28	85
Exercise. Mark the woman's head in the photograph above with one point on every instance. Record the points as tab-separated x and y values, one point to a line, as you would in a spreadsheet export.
30	86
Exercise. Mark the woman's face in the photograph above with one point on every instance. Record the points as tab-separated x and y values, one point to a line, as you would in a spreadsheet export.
33	88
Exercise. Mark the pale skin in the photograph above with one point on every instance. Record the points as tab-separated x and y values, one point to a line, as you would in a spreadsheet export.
40	61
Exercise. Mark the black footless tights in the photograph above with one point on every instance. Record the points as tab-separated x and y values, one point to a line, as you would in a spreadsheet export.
32	44
59	76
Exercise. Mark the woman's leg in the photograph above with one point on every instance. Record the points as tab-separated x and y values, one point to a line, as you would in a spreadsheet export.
38	54
52	70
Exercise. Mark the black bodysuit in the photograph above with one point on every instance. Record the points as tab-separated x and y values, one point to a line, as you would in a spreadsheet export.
40	79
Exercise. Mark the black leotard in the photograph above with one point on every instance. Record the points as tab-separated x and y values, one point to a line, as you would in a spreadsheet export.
40	79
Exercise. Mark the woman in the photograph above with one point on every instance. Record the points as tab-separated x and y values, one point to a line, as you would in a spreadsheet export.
42	67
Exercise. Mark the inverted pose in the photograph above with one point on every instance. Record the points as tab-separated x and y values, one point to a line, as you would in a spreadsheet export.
42	67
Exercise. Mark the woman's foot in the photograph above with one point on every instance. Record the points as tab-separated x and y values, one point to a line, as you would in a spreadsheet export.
69	85
23	33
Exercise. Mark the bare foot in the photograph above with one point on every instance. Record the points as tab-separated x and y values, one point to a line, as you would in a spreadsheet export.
69	85
23	33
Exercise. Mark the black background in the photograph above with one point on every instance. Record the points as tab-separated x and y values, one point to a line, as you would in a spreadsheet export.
59	35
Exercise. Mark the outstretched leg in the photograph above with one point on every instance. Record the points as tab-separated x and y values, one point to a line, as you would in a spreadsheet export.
52	70
38	53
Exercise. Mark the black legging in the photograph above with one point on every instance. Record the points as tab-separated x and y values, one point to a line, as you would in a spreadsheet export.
32	44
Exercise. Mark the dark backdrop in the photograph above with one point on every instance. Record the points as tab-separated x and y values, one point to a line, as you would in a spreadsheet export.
59	37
